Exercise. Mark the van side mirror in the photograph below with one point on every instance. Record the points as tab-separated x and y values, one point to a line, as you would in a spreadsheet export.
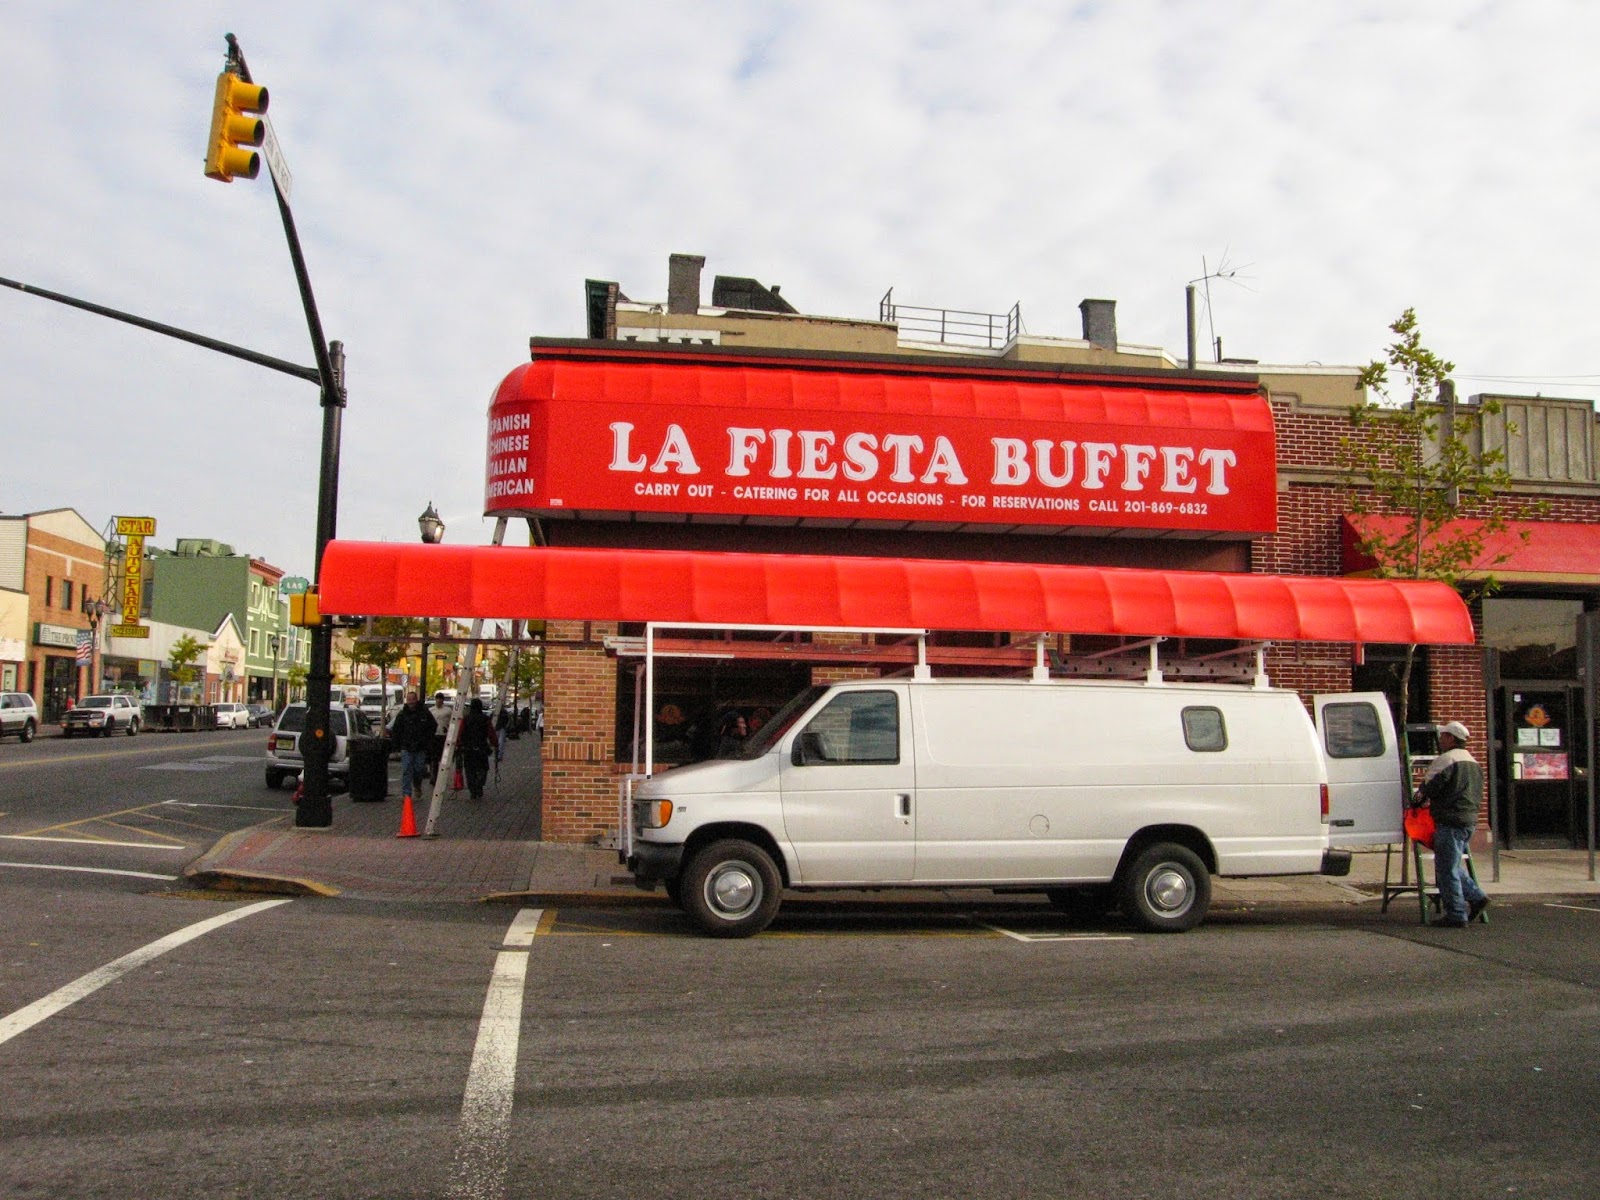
808	749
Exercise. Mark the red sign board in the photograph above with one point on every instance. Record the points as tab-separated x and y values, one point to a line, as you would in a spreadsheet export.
593	435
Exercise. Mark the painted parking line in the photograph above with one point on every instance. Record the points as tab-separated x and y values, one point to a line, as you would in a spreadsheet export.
87	841
1573	908
88	870
1056	937
79	832
484	1136
42	1009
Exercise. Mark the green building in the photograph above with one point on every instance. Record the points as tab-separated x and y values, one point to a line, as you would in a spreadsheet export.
204	580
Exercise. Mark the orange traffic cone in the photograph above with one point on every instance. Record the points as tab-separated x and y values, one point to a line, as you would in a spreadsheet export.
408	819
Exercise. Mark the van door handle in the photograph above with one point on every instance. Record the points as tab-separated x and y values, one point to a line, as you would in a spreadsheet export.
902	802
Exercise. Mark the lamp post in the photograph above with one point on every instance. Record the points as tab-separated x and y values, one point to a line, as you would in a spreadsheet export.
97	610
432	530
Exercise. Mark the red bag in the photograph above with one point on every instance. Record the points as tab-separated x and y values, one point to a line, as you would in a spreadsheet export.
1419	826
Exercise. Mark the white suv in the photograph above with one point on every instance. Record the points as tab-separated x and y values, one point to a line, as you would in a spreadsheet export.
102	715
283	747
18	715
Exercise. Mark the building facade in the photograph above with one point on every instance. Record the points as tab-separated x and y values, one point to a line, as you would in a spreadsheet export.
203	582
1521	685
53	568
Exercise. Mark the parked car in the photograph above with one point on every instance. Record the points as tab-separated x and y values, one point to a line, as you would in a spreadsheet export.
231	715
103	715
261	715
283	747
18	715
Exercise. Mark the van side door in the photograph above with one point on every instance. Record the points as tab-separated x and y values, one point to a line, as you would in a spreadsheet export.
847	783
1362	756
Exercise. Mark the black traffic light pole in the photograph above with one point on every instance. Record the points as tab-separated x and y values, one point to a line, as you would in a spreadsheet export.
315	809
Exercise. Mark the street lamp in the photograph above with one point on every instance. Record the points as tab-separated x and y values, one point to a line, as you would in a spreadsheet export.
430	524
432	529
97	610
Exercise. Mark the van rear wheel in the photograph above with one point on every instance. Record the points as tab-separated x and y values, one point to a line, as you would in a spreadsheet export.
1166	889
731	889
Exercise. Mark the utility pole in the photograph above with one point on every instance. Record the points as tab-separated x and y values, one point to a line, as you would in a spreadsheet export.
233	130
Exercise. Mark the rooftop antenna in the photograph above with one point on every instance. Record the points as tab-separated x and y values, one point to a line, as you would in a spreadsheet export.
1223	271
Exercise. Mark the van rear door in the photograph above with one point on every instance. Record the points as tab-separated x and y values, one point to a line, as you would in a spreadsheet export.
1365	796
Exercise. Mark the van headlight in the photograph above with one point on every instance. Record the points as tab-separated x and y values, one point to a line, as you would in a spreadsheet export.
651	814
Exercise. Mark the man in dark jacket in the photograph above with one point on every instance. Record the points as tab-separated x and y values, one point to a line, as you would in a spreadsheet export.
412	734
477	739
1453	789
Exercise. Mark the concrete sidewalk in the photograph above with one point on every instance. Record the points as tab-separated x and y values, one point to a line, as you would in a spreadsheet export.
490	848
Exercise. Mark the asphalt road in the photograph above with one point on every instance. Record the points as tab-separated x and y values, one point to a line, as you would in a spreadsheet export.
339	1048
147	803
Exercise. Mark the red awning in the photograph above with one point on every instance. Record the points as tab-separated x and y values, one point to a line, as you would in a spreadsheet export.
590	431
1524	551
801	591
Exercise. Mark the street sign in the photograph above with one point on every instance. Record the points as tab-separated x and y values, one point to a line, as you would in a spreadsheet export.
293	585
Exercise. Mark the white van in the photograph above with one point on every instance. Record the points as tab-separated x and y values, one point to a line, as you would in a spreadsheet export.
381	702
1097	794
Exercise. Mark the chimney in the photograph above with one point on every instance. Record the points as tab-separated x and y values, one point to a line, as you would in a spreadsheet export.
1100	323
683	283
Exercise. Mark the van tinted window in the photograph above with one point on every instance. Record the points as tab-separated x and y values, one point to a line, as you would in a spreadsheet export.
855	727
1204	730
1352	731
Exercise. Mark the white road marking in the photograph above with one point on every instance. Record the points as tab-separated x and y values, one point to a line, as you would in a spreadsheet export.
27	1017
240	807
90	870
1573	908
29	837
185	766
1057	937
483	1139
523	927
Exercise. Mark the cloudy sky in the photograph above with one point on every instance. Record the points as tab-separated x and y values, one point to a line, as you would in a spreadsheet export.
460	170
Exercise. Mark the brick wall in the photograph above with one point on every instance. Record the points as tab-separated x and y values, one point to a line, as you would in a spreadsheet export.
580	772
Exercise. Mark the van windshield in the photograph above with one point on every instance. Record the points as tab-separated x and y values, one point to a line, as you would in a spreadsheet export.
763	739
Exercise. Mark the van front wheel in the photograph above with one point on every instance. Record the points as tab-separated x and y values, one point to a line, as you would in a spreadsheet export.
1166	889
731	889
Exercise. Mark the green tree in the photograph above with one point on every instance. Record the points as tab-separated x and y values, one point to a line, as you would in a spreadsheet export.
528	676
1418	459
182	658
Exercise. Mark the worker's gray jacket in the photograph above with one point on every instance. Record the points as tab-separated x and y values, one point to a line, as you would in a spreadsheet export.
1453	789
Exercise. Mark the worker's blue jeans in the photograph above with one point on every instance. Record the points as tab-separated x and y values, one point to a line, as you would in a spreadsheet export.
413	771
1457	889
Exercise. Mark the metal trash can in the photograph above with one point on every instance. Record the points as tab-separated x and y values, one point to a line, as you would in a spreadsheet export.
369	768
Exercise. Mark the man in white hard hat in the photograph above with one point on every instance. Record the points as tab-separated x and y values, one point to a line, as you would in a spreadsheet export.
1453	789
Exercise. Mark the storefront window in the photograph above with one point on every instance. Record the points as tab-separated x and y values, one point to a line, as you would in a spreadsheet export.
697	699
1536	638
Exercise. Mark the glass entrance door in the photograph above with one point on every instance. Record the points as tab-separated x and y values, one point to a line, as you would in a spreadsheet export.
1541	748
60	686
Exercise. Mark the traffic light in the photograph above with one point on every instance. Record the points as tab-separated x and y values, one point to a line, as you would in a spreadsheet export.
232	129
304	610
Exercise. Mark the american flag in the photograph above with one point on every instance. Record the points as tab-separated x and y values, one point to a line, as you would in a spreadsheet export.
85	647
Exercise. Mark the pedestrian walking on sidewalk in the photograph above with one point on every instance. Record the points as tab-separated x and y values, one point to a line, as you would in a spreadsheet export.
412	734
440	712
477	739
1453	790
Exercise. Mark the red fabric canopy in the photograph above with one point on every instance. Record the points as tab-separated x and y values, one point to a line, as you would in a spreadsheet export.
801	591
1526	551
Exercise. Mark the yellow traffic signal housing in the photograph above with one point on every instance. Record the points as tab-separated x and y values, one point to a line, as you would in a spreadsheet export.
232	129
303	609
